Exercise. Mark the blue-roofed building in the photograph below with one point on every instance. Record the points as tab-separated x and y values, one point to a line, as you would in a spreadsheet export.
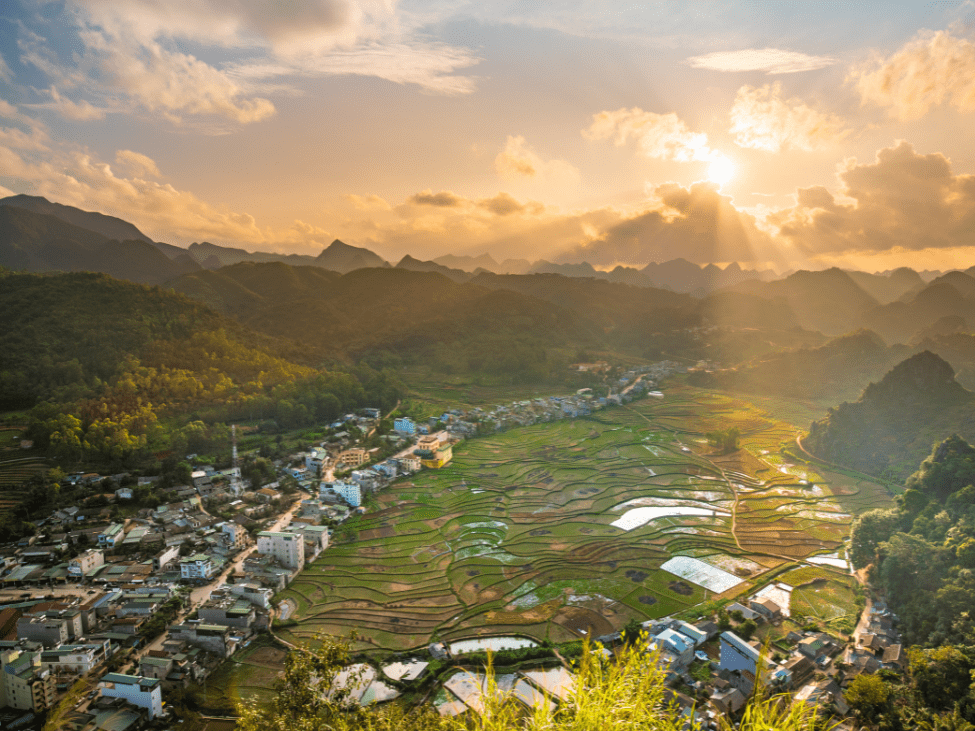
736	654
405	426
136	689
681	647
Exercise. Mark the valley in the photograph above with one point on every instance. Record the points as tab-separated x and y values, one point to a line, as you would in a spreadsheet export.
560	531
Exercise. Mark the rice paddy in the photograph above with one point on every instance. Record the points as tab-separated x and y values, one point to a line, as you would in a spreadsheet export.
559	531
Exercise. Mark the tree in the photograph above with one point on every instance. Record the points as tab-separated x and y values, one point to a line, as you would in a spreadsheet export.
867	696
726	440
746	629
625	694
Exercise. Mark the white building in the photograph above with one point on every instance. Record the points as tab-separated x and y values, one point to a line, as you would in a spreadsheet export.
287	548
135	689
350	492
235	535
199	566
81	564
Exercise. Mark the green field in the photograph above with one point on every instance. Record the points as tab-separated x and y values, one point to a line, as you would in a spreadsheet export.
515	535
16	467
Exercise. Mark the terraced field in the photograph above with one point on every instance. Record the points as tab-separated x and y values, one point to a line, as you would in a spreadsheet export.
16	467
517	534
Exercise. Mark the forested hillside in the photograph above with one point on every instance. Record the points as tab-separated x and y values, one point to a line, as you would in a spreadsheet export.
893	424
103	362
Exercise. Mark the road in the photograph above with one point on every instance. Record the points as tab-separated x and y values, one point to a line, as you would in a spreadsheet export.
200	595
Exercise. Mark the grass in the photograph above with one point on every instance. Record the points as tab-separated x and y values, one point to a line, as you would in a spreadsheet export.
515	534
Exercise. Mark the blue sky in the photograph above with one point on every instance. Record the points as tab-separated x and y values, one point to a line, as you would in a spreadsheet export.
783	133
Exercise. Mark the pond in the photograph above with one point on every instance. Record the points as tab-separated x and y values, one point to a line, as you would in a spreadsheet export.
491	643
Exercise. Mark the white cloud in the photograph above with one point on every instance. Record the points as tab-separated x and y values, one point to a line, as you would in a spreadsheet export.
933	69
72	175
80	111
660	136
762	120
769	60
519	161
137	163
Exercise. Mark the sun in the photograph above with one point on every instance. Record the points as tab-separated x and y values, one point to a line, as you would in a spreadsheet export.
721	170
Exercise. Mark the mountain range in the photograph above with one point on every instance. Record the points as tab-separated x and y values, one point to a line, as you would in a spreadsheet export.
901	306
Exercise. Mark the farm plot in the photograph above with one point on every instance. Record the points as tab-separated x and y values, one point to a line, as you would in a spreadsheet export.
521	535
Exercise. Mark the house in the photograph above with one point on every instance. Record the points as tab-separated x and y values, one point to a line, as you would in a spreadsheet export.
80	565
24	684
802	669
111	536
405	426
228	611
350	492
355	457
728	701
287	548
696	635
736	654
267	494
135	689
409	463
767	608
235	535
198	567
433	453
213	638
678	645
123	493
893	658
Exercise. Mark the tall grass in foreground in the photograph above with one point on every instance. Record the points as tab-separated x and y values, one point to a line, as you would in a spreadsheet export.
622	694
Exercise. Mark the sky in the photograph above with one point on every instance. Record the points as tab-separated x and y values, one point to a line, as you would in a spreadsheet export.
771	133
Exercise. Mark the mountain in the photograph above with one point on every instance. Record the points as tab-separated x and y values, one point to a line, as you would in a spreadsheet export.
828	301
583	269
469	263
681	275
343	258
108	226
888	287
840	368
212	256
415	265
948	296
395	315
891	427
40	242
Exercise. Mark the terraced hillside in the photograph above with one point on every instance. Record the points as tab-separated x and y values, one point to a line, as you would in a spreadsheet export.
560	530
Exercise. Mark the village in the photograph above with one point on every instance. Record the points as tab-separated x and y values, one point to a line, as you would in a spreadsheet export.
121	616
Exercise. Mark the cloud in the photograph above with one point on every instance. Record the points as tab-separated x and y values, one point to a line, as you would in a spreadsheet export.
902	200
6	74
69	174
172	82
286	27
660	136
504	204
134	50
137	163
769	60
762	120
696	223
443	199
519	161
80	111
933	69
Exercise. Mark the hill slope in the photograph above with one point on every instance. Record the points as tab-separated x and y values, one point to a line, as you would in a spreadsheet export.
892	426
40	242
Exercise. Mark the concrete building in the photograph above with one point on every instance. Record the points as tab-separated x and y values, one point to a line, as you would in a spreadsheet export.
736	654
350	492
355	457
75	659
234	534
165	557
432	452
135	689
287	548
81	564
198	567
213	638
228	611
48	632
111	536
24	683
405	426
